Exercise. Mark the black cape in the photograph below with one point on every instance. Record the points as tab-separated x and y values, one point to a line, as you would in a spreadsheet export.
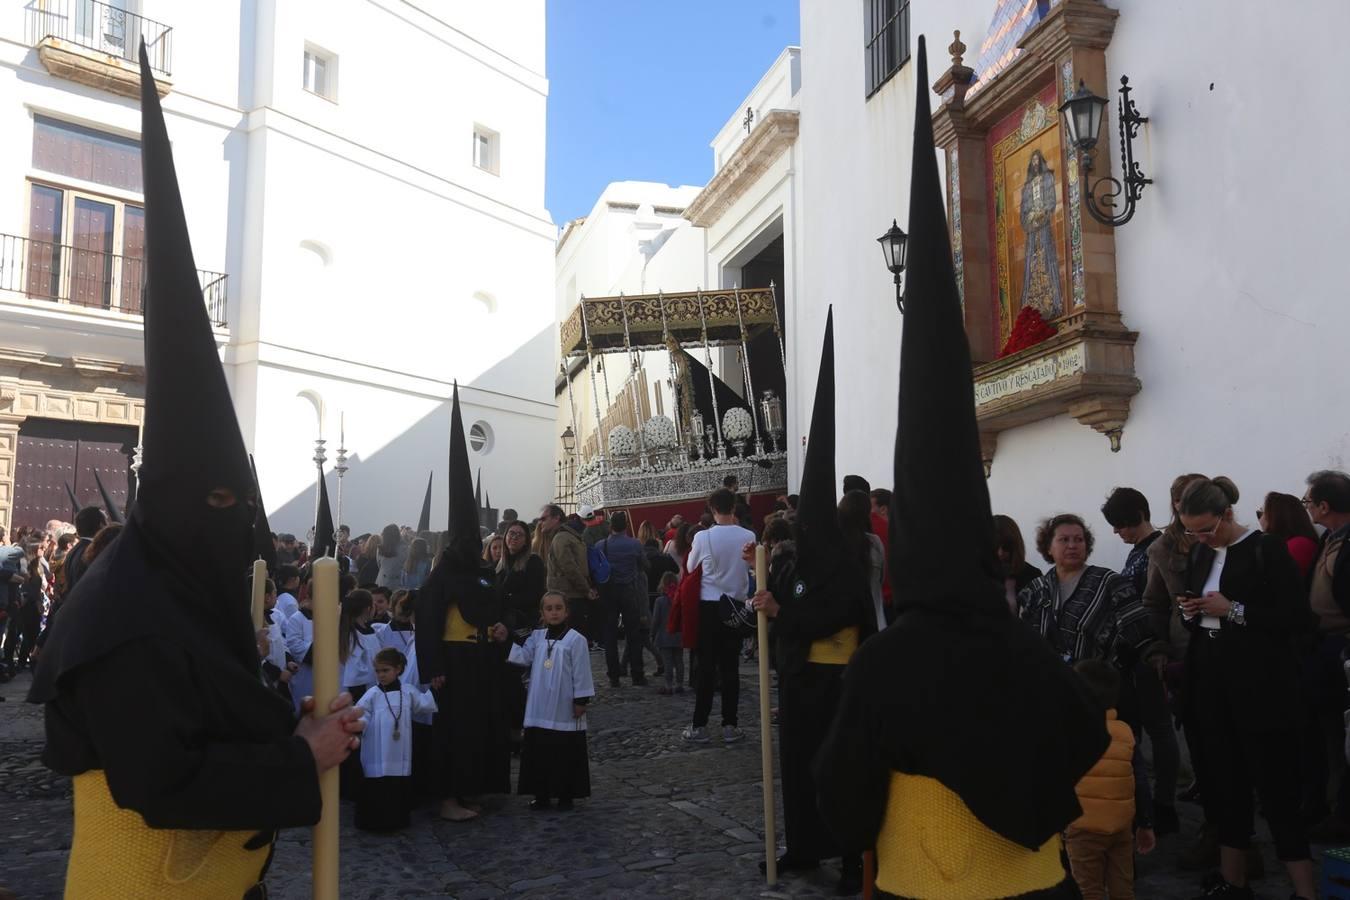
187	737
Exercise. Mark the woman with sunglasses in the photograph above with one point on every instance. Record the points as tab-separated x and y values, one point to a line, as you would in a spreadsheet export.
1245	606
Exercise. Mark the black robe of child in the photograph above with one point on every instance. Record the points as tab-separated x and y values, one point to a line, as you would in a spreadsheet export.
471	749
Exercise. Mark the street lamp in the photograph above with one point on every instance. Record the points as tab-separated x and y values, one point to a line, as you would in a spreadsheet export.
893	248
1083	113
569	440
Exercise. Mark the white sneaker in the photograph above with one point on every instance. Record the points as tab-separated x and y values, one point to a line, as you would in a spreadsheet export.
731	734
694	735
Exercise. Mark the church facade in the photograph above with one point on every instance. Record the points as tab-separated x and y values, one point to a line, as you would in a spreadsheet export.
1201	335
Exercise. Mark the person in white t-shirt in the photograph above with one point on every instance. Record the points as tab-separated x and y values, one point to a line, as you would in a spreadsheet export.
717	551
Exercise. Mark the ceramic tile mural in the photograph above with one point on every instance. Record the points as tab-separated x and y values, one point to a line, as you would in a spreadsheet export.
958	258
1011	20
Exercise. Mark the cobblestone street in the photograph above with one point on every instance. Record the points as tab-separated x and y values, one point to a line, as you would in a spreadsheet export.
666	819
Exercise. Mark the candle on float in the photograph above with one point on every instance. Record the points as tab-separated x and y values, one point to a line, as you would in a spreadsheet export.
259	588
765	722
324	585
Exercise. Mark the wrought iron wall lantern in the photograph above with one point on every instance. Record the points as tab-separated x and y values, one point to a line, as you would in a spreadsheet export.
1083	114
893	244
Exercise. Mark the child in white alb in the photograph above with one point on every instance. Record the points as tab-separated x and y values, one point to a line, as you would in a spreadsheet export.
553	757
386	745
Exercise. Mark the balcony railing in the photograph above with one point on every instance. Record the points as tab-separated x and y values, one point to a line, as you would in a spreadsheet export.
89	278
102	28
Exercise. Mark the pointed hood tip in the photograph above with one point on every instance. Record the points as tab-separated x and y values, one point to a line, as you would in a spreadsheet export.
818	531
939	484
463	536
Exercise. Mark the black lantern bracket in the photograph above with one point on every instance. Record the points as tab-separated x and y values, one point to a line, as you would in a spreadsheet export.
893	246
1108	200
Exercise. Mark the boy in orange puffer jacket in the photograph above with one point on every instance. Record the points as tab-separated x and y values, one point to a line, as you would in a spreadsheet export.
1101	842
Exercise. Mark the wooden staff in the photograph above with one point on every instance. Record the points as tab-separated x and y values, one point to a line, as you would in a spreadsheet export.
259	588
765	723
324	588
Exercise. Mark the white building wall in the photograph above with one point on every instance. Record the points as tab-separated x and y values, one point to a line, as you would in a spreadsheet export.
369	260
1229	270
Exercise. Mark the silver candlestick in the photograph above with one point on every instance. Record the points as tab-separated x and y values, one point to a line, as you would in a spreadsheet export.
341	469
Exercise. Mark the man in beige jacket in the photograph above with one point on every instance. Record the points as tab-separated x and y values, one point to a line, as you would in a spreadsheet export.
568	572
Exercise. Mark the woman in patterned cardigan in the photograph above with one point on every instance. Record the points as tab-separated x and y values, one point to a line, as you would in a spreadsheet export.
1091	612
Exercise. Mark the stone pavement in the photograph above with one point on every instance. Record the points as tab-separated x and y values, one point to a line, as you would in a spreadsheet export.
666	819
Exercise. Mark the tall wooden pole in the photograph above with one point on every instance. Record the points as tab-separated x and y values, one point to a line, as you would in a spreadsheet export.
765	723
325	607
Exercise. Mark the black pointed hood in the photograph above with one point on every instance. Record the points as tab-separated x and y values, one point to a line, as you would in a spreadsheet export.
114	513
818	533
74	502
195	493
940	489
262	531
464	542
324	540
424	520
183	556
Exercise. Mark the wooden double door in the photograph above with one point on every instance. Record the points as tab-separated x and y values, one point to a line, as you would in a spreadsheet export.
53	454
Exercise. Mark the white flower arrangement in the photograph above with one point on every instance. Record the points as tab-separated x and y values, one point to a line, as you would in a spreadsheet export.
737	425
659	433
622	441
588	470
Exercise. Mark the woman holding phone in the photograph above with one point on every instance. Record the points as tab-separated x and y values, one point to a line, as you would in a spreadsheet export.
1245	605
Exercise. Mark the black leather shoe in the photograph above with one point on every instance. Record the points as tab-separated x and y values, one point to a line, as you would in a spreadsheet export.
540	804
789	863
564	806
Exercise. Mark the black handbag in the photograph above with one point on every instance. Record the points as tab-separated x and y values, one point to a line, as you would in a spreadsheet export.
737	616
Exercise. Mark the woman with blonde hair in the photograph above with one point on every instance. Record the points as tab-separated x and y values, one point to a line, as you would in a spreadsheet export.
368	563
492	551
646	533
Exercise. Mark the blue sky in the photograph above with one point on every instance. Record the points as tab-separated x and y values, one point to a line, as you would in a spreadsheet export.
638	88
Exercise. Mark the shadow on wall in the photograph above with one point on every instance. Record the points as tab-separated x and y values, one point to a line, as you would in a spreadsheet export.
389	484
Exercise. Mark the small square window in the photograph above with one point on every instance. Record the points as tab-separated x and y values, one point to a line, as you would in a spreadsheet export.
486	149
321	72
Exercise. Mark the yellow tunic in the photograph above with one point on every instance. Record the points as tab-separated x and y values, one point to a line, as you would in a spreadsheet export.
837	649
456	628
932	846
115	854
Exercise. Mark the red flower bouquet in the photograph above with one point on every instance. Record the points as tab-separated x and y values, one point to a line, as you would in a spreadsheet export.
1028	331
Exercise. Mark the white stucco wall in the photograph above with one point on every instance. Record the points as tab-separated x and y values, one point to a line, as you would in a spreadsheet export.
1229	270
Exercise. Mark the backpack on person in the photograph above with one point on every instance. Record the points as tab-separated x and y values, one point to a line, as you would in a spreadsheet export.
597	564
11	560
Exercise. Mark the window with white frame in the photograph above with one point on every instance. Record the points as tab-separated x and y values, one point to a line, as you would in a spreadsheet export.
321	72
487	149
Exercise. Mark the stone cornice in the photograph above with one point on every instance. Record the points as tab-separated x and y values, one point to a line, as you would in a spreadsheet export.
776	131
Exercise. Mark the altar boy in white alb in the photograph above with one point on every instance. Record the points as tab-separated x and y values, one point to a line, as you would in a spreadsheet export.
553	758
386	745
